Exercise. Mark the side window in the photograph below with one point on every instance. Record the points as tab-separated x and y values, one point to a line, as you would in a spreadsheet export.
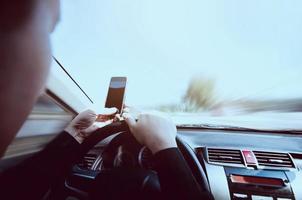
48	118
47	105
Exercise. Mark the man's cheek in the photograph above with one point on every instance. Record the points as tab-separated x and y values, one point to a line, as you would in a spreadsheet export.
55	12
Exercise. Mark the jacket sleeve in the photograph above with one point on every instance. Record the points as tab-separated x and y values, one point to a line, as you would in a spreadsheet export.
33	177
176	179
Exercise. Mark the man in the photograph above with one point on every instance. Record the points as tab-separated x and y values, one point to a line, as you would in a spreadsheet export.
25	52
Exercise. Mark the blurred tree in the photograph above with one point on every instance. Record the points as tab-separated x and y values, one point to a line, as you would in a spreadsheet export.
200	94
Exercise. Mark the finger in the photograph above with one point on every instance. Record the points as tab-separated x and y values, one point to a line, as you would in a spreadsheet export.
118	118
129	120
88	112
88	116
107	114
104	118
109	111
102	124
90	129
133	111
85	116
141	116
126	110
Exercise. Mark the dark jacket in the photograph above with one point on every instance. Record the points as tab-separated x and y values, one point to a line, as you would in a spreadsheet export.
32	178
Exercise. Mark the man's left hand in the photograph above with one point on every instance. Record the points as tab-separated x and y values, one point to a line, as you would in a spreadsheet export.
88	121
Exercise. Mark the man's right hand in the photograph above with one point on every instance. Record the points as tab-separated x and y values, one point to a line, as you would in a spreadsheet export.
154	131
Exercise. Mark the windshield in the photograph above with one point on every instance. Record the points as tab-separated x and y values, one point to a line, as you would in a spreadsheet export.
223	62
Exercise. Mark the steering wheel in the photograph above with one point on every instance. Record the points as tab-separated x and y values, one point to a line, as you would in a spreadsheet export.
134	183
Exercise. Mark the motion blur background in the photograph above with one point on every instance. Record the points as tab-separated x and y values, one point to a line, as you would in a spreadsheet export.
224	62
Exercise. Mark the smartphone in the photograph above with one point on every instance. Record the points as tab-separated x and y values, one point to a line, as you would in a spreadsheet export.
116	93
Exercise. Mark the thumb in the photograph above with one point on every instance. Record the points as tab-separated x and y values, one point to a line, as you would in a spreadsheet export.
108	111
90	129
130	120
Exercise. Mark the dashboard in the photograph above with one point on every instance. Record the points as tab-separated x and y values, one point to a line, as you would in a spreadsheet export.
249	165
238	164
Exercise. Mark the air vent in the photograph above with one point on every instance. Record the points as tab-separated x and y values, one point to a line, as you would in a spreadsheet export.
225	156
88	161
272	159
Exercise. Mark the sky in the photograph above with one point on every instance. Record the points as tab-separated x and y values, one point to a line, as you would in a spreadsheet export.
251	49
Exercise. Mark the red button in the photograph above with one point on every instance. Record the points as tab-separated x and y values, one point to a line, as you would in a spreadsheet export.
249	157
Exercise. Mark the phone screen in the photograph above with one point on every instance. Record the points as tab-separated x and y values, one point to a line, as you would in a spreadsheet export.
116	93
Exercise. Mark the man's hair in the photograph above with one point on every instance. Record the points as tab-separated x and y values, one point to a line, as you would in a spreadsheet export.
15	13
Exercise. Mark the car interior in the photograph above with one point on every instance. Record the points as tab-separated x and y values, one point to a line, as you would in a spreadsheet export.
231	159
230	163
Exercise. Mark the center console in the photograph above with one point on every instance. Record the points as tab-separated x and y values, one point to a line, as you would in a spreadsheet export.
239	174
248	184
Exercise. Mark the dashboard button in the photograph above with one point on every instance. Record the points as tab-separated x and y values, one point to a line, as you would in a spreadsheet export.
249	157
